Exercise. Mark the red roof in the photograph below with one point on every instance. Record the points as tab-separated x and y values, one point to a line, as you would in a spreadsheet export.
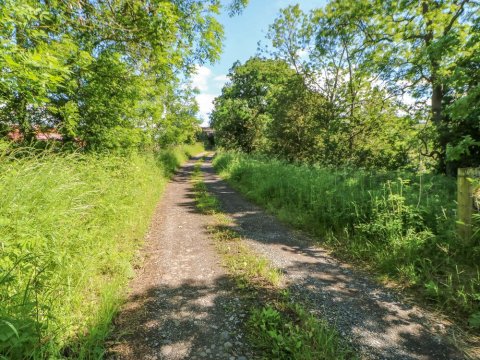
40	135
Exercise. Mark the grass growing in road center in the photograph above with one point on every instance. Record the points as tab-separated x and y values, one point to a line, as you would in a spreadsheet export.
278	327
285	330
247	266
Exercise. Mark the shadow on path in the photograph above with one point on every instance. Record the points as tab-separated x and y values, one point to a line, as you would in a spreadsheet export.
182	304
177	322
378	324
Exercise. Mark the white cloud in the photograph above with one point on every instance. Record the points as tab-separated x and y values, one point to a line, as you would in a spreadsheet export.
221	79
200	79
209	86
205	104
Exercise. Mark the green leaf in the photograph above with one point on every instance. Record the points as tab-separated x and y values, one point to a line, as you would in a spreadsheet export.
11	327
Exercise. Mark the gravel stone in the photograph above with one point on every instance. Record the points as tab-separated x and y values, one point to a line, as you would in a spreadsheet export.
379	323
181	298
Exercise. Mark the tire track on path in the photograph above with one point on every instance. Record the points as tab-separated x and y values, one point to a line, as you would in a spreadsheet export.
373	318
182	304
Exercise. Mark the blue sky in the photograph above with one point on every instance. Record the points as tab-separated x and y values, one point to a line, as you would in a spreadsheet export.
242	33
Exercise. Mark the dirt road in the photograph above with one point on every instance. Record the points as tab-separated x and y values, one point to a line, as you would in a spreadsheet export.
184	306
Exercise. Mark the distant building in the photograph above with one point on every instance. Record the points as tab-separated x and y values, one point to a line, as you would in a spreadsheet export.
40	134
208	131
208	136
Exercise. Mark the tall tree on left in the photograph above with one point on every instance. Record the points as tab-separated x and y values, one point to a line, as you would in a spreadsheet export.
99	70
34	62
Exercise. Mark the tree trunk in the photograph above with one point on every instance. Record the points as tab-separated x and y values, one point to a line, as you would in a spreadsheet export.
439	121
437	99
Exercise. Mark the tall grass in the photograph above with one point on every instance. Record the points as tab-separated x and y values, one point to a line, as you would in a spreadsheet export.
70	225
400	224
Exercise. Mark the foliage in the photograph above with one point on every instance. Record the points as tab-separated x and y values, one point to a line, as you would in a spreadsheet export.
360	123
244	110
69	227
300	122
285	330
237	6
415	49
106	74
375	83
400	224
267	107
463	109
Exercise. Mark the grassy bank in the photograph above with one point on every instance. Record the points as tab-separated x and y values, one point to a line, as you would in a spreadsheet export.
400	224
70	225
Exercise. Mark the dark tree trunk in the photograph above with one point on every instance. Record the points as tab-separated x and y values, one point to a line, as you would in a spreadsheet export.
437	101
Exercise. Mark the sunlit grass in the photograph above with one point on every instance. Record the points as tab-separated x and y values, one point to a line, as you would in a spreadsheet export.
284	330
400	224
70	225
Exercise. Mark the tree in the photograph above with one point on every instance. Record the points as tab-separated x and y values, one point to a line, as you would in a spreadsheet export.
244	110
33	63
357	109
178	123
99	71
301	123
463	148
415	47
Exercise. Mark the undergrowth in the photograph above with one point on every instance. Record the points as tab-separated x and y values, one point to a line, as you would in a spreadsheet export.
70	225
285	330
278	327
400	224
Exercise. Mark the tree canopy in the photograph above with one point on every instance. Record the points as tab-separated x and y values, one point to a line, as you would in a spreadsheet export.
383	84
107	73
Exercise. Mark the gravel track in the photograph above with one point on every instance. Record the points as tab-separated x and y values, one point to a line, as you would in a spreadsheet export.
374	319
182	304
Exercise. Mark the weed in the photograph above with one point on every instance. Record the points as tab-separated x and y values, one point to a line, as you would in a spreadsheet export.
206	203
285	330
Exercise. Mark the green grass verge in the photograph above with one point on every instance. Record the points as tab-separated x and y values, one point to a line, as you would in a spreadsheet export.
400	224
70	226
278	327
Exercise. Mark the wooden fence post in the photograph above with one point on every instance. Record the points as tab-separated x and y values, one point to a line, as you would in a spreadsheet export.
465	190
